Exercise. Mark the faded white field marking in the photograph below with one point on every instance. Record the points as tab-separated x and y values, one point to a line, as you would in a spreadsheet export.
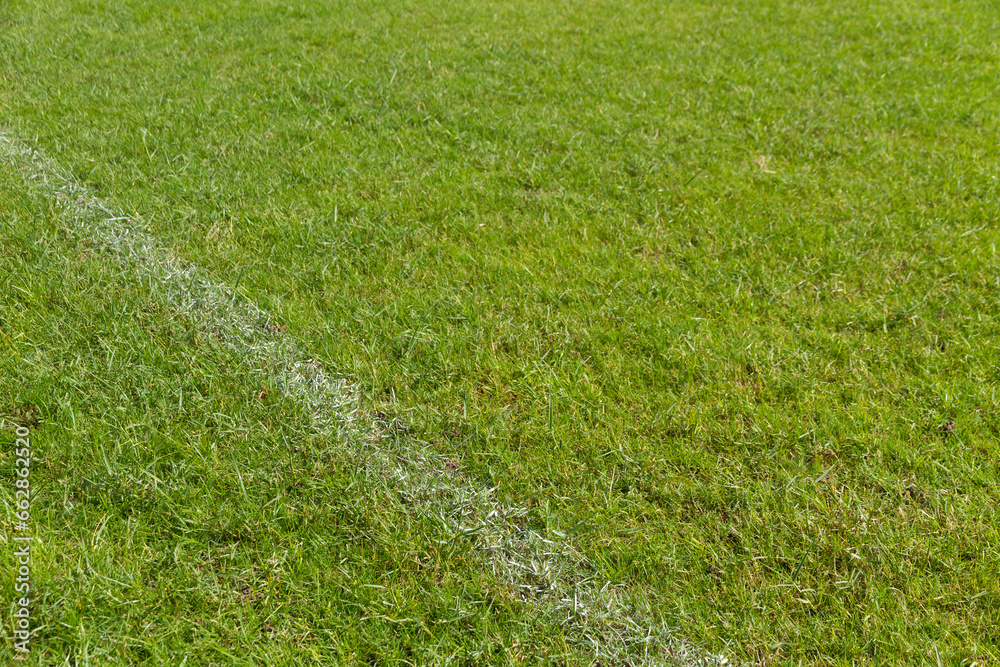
611	623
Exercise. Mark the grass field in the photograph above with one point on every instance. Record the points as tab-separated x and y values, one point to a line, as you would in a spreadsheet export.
650	331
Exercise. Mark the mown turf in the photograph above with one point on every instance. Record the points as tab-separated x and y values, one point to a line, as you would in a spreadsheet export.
714	286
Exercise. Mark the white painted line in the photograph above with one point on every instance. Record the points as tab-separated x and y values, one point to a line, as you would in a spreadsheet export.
610	622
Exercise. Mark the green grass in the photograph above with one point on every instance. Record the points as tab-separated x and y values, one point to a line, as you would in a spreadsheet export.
712	286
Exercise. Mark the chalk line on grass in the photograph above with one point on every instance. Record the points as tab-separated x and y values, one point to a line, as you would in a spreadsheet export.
611	623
